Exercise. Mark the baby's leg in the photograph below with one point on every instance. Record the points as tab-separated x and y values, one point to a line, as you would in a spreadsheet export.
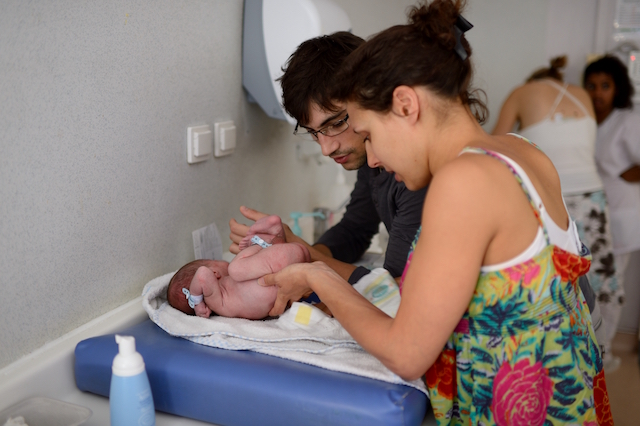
269	228
259	262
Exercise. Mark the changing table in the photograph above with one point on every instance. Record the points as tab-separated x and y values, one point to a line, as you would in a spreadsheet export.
247	388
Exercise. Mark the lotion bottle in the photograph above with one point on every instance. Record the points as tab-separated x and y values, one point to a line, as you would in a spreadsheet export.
130	398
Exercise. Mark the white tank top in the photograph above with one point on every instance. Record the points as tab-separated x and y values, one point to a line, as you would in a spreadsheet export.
569	143
568	240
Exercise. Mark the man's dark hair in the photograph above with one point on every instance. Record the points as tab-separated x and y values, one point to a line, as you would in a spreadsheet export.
310	70
613	66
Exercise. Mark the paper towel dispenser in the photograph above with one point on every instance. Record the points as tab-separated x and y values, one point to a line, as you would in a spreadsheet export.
273	29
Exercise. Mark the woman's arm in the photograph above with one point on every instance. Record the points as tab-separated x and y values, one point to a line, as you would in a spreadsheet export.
436	291
631	144
632	174
508	115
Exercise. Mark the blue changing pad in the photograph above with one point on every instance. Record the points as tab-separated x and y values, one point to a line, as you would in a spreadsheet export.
247	388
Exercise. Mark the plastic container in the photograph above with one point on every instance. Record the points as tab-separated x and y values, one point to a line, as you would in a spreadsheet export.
41	411
130	398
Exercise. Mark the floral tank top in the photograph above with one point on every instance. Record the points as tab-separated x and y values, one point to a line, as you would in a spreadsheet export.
524	353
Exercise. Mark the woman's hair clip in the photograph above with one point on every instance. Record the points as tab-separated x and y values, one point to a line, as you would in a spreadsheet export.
461	26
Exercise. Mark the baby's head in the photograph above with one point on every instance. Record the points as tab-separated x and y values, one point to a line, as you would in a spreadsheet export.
184	276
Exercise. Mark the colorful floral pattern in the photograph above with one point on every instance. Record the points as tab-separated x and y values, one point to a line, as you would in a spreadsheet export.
601	400
521	394
442	375
524	352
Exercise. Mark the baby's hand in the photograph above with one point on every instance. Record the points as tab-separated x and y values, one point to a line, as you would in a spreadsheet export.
202	310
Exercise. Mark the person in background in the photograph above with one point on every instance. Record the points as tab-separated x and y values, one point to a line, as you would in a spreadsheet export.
309	74
618	160
490	306
559	118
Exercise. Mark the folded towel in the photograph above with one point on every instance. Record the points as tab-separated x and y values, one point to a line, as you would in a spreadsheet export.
303	333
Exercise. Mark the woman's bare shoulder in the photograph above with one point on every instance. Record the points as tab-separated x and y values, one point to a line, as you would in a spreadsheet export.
582	95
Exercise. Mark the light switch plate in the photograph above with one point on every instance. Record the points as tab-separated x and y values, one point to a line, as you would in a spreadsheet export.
225	138
199	144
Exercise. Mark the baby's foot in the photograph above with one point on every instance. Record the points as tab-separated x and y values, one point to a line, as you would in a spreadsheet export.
269	228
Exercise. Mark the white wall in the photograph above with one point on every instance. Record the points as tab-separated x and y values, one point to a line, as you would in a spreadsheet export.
96	196
507	45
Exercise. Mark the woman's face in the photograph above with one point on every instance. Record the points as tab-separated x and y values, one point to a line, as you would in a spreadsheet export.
385	144
602	90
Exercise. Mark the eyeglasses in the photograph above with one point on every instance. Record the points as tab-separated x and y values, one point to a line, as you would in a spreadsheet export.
333	129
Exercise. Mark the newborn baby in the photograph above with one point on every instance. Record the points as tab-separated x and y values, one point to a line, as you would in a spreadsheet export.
231	289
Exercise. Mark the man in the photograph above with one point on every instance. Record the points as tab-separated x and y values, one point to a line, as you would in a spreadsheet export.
376	197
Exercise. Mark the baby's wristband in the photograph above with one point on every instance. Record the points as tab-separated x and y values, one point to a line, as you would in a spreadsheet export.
191	299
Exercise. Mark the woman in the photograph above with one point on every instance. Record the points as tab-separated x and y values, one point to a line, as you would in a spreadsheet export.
559	118
618	160
490	308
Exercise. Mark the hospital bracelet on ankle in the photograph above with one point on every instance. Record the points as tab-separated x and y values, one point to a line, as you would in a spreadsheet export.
259	241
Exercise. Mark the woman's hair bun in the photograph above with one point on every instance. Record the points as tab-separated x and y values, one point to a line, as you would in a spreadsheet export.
558	62
436	20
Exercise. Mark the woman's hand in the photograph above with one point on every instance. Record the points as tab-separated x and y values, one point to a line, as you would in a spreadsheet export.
293	283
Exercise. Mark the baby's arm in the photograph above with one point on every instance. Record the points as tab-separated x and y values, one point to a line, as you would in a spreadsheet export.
198	287
255	262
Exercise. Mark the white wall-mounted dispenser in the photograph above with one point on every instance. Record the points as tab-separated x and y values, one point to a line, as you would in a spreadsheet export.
273	29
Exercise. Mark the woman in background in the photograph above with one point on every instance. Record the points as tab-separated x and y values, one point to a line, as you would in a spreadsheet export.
559	118
618	160
490	307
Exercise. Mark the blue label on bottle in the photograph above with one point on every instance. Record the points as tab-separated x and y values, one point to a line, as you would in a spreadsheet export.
131	401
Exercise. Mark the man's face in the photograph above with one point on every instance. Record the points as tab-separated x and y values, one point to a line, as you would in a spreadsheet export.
346	149
602	90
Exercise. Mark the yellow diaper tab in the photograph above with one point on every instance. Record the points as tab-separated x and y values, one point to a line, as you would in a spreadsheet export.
303	316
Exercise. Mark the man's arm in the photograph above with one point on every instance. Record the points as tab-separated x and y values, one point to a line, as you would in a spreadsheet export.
349	239
405	221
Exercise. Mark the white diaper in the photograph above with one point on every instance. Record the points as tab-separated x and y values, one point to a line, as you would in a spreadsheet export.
379	288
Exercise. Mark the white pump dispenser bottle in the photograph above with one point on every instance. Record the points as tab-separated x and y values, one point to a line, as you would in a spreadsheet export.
130	398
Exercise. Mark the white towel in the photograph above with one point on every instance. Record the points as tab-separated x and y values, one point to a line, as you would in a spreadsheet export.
303	333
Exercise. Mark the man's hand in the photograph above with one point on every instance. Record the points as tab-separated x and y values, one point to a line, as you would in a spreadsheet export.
238	230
